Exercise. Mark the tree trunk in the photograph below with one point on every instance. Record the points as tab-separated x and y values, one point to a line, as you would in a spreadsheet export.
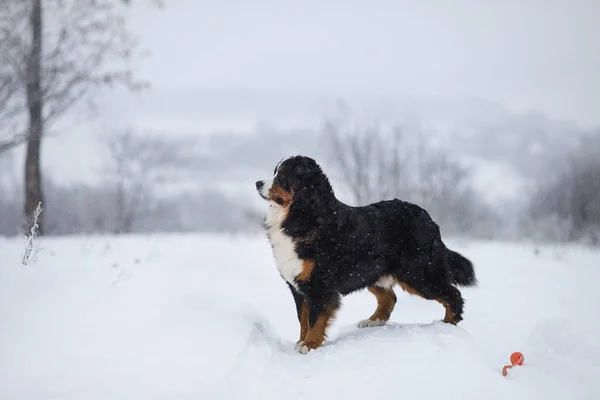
33	175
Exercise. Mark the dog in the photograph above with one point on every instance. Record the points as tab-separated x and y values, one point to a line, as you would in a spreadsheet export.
325	249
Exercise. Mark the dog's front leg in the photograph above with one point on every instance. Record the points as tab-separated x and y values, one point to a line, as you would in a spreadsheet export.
321	312
302	311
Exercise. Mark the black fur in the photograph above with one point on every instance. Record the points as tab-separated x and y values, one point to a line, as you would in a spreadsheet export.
353	247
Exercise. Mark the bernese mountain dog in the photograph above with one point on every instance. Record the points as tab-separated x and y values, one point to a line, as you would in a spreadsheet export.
325	249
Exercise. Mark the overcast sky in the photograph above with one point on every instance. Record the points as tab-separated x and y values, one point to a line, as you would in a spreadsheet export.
526	54
234	63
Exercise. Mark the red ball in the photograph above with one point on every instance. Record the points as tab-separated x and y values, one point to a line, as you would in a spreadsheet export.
516	358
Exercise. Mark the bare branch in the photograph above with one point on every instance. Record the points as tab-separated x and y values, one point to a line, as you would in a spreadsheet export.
90	44
377	163
86	47
12	105
572	200
139	164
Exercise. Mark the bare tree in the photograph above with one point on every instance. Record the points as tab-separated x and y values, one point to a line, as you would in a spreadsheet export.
35	102
570	202
10	133
12	101
57	52
367	159
379	162
141	165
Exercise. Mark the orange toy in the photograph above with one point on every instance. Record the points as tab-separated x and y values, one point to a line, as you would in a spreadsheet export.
516	358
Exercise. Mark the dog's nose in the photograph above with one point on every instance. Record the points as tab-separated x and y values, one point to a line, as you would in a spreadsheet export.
259	185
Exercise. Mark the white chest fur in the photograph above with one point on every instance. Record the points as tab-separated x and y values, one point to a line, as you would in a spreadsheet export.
288	263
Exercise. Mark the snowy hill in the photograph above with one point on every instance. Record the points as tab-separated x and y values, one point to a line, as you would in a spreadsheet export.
198	317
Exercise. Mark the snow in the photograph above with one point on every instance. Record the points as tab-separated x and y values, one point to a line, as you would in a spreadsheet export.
199	317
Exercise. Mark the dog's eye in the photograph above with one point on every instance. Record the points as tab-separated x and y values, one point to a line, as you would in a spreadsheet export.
279	201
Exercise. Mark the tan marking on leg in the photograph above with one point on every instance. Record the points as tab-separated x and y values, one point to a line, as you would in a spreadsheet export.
307	269
386	300
317	334
303	321
449	317
409	289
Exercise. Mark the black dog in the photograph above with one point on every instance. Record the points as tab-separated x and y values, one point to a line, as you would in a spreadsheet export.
326	249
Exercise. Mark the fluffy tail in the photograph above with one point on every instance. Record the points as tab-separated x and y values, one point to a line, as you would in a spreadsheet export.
461	269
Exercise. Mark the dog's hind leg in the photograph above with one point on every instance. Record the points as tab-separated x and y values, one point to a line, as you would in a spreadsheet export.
447	295
386	300
451	298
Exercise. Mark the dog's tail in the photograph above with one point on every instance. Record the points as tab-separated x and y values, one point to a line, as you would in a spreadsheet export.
461	269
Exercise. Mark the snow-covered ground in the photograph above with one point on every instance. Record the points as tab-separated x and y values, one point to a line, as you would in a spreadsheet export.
197	317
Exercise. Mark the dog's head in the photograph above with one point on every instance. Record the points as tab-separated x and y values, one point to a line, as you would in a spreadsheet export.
295	178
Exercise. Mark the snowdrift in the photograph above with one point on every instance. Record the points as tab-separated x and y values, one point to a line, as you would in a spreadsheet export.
197	317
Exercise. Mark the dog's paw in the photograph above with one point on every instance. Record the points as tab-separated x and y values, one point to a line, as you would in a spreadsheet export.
369	323
451	322
303	348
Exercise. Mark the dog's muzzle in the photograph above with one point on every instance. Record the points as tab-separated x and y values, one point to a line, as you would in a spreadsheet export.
263	189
